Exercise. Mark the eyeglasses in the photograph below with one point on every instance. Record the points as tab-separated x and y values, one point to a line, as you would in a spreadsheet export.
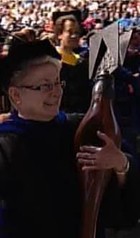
45	88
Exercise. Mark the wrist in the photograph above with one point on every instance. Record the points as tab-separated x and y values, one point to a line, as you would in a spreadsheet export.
124	168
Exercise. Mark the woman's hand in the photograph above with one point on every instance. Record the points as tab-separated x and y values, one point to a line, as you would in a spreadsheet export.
5	117
106	157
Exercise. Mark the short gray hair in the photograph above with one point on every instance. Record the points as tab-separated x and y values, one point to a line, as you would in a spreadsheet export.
20	73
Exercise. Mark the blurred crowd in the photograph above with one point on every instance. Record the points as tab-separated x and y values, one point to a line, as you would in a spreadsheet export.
95	14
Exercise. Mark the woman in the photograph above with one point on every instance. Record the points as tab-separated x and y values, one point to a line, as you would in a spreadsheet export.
76	96
39	188
38	191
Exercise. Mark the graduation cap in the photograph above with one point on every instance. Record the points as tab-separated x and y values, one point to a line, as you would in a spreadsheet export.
107	49
22	53
76	13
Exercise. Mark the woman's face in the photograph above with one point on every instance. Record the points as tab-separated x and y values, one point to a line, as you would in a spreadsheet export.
35	102
70	35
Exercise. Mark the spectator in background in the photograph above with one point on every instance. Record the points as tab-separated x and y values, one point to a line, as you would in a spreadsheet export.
136	18
132	61
98	25
26	34
125	23
76	97
89	22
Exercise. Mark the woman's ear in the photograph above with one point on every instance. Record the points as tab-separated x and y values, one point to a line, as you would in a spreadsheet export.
14	95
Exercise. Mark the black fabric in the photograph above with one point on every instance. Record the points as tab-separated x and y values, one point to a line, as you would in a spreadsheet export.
120	207
77	93
39	189
76	13
38	184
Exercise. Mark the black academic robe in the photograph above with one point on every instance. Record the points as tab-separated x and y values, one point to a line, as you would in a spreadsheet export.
38	180
39	188
77	93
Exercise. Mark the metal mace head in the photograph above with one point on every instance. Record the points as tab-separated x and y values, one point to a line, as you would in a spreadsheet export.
108	48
